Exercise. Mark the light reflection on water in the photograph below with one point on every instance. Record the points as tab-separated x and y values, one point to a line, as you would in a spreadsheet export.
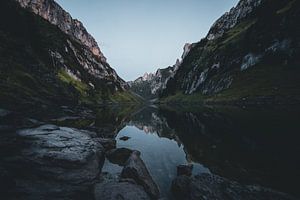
161	155
252	145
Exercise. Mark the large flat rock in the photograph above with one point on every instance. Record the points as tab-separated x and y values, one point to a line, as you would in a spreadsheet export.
57	162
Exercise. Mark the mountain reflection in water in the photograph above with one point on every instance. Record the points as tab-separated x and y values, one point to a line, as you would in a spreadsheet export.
253	146
250	145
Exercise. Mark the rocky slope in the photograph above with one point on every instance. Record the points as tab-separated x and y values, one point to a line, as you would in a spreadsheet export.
151	85
47	59
56	15
250	54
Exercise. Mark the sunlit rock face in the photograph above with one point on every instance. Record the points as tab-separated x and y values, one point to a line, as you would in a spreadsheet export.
52	12
88	56
231	18
186	49
255	33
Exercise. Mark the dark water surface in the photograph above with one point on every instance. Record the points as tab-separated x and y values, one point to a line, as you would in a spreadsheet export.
250	145
253	146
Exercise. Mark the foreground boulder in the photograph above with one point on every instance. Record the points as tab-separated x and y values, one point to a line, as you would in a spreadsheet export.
136	169
185	170
118	156
107	143
208	186
113	189
57	163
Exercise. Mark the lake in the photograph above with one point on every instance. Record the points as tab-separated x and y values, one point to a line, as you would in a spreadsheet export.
257	145
250	145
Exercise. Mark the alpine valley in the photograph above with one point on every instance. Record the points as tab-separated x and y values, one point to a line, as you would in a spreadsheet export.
249	56
222	123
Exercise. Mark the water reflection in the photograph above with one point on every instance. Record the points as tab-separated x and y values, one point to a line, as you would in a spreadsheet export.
254	146
161	155
160	149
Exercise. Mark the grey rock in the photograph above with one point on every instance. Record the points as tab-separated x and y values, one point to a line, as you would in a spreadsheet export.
118	156
114	190
107	143
185	170
181	187
231	18
136	169
51	11
208	186
151	84
89	55
61	162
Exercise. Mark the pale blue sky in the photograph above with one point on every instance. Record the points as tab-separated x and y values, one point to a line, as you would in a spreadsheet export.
139	36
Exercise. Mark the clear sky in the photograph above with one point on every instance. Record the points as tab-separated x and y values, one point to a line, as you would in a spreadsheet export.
139	36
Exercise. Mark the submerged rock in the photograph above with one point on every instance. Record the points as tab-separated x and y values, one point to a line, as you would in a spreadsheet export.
136	169
118	156
208	186
125	138
57	162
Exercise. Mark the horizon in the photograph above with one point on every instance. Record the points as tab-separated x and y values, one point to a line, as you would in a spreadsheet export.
123	29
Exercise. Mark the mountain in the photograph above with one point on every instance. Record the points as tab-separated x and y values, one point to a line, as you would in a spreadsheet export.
151	85
56	15
47	58
249	55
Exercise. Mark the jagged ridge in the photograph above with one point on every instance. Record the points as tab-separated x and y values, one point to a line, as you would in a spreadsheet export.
151	85
56	15
41	65
249	52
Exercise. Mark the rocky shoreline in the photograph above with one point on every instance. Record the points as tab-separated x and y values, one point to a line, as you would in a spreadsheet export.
210	186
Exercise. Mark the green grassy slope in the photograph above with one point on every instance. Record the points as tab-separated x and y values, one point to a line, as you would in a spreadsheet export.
275	76
30	78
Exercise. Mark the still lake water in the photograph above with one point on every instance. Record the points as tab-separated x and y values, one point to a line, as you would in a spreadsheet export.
161	155
252	146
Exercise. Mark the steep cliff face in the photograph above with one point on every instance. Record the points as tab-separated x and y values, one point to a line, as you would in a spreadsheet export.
233	17
43	65
150	85
56	15
250	52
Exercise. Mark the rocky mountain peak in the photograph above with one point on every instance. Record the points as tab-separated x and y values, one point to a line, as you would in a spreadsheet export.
56	15
147	76
186	49
231	18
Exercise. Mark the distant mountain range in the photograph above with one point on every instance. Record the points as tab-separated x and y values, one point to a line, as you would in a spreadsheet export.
150	85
